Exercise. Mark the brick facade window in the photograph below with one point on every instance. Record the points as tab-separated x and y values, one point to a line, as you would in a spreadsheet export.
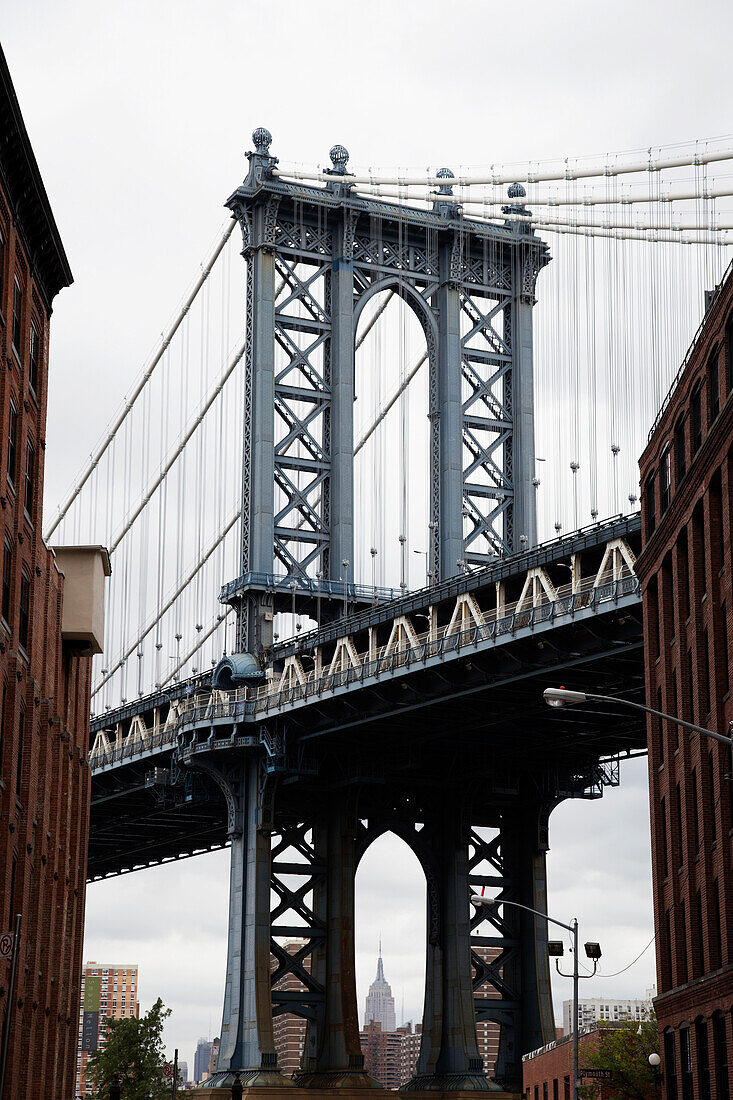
34	358
7	575
716	946
12	443
680	458
699	936
670	1065
725	671
17	315
699	548
686	1064
30	470
703	1060
2	267
19	759
720	1053
713	388
683	972
695	812
663	837
653	609
680	845
696	418
729	352
711	797
650	511
24	611
665	479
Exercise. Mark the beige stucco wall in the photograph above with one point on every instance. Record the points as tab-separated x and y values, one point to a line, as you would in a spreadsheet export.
84	569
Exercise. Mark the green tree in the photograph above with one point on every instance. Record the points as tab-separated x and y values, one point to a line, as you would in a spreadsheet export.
133	1052
623	1049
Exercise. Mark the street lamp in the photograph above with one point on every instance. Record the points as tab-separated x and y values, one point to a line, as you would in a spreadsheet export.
555	949
425	554
562	697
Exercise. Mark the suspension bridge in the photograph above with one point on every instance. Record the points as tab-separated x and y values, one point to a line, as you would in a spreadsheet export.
335	502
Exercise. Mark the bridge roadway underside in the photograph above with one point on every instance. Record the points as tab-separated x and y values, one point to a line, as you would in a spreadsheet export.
480	726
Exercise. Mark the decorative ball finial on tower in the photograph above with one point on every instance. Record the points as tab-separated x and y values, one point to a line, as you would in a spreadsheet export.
339	155
516	191
445	174
262	139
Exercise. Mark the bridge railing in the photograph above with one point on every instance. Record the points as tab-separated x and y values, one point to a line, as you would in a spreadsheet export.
491	626
488	626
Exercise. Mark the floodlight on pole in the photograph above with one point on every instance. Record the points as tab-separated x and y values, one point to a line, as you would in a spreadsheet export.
555	948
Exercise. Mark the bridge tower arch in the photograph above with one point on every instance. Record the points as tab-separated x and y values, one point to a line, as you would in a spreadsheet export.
314	255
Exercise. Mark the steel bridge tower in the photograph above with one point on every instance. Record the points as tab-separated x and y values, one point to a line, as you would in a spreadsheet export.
299	821
315	257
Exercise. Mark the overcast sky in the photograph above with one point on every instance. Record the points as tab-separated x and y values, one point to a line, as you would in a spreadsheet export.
139	114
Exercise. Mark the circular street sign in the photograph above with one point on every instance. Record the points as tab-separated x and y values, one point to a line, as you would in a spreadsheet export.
6	945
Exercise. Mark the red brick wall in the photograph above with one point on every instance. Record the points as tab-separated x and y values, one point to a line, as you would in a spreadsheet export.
685	570
44	827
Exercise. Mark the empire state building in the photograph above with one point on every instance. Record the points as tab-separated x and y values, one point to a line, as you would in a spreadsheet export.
380	1002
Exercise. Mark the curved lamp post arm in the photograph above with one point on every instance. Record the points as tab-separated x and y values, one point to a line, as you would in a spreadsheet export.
560	697
494	903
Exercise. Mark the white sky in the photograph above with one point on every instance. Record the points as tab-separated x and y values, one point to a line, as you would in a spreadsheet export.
139	114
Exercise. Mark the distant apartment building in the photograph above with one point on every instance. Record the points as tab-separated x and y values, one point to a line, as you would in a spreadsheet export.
289	1030
487	1031
213	1056
107	992
380	1002
409	1051
382	1052
615	1010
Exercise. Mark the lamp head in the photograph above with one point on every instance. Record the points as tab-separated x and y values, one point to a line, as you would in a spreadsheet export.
561	697
654	1060
593	950
481	902
555	949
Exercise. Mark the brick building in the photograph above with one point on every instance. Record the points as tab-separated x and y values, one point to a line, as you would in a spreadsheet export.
290	1030
409	1051
487	1031
547	1072
48	629
382	1052
685	570
106	991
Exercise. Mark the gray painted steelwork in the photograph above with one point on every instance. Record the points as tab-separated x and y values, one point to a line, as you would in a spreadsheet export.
442	739
315	256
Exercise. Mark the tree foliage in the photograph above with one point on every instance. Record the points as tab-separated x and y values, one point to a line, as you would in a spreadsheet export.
623	1049
134	1053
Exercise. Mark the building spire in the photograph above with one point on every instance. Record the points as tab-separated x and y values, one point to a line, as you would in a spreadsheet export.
380	965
